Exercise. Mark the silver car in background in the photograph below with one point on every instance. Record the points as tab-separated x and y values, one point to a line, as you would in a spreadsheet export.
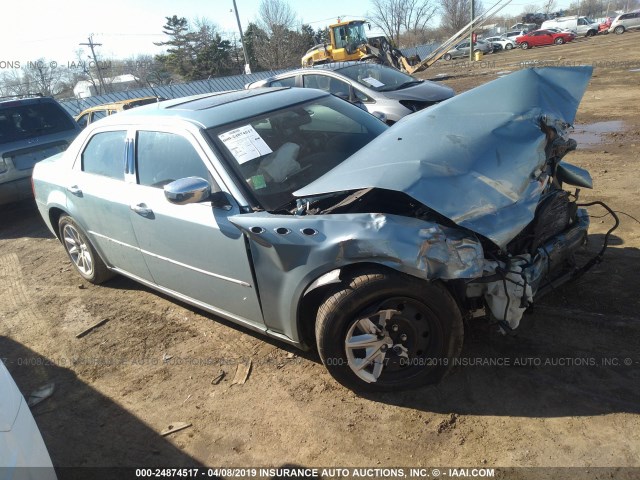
624	22
461	50
379	89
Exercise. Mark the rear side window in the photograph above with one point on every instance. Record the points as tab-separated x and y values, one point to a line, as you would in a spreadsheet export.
284	82
163	157
21	122
105	154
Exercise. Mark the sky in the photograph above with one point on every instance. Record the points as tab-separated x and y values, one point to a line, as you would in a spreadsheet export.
34	29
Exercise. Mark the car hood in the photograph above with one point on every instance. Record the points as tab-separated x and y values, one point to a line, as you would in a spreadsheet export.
477	158
10	400
429	91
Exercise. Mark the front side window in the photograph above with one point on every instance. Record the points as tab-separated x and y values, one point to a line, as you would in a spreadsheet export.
105	155
163	157
277	153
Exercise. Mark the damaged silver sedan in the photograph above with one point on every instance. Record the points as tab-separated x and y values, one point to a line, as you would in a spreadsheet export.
296	214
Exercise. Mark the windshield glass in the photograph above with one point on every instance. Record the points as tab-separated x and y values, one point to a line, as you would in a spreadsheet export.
24	121
280	152
378	77
352	34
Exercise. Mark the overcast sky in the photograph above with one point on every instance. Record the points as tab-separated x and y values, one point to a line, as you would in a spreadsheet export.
33	29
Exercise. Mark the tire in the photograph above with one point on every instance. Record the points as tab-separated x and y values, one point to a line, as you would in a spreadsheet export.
591	33
418	326
619	30
524	45
559	41
508	46
447	56
83	256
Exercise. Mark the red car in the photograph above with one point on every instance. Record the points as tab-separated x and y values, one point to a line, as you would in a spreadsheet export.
538	38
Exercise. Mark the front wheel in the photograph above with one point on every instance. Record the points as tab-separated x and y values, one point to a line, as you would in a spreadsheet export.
559	41
84	257
619	30
387	331
508	46
447	56
524	45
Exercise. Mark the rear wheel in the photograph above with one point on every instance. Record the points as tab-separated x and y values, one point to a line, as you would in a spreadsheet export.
386	331
508	46
84	257
524	45
559	41
447	56
618	30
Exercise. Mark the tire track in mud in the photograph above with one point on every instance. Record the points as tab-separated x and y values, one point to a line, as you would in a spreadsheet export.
18	309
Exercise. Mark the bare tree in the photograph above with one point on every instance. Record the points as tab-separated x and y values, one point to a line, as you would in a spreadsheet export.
275	16
550	6
457	13
395	17
276	43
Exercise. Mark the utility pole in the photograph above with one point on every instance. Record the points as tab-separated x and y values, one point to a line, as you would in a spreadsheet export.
471	34
93	53
247	67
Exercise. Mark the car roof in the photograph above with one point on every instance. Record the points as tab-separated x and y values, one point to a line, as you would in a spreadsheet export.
211	110
116	105
8	101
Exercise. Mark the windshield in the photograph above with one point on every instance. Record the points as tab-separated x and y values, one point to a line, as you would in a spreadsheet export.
378	77
282	151
352	35
24	121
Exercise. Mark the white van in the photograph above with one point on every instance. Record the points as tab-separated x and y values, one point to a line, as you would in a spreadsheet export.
581	25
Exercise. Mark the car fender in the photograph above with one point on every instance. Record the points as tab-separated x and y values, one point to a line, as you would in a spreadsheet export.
293	254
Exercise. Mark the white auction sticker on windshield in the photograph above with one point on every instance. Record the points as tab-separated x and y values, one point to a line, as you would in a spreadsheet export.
374	82
244	143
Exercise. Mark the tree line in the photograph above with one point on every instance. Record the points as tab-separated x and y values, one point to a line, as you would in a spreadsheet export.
197	49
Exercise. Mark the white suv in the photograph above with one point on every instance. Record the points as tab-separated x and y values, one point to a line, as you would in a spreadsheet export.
624	22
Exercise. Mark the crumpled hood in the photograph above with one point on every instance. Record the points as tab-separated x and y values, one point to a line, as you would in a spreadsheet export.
476	158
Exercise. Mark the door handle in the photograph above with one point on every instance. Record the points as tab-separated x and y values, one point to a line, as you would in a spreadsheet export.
75	190
142	209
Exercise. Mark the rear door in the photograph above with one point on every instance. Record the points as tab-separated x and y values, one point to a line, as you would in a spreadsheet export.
192	250
98	196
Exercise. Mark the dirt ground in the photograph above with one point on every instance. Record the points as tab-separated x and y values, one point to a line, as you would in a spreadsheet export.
153	363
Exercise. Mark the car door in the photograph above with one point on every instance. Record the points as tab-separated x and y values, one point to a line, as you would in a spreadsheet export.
98	198
192	250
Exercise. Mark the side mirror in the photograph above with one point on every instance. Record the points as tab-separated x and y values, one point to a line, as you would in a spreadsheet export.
187	190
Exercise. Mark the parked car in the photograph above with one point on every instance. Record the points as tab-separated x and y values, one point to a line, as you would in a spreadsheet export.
301	216
31	129
624	22
505	44
23	453
513	35
92	114
379	89
525	27
581	25
540	38
461	50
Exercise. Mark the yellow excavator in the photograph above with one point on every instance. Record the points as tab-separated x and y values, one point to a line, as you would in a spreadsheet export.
348	41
